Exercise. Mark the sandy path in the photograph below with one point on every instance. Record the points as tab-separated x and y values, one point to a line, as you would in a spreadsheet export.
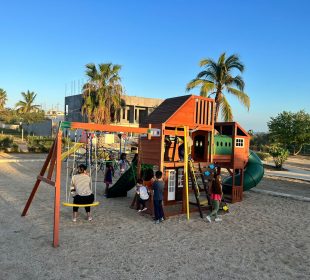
263	237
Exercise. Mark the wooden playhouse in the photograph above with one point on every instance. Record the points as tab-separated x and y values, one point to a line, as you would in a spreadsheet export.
223	144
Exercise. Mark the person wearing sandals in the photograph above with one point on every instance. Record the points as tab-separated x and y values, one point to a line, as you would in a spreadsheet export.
143	195
216	197
108	177
158	190
81	191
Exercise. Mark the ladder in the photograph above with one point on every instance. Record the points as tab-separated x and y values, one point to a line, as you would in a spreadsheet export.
205	184
195	185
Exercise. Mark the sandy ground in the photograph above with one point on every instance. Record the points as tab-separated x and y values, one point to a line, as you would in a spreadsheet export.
264	237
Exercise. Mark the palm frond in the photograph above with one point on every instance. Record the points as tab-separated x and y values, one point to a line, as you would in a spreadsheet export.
194	83
206	88
233	61
242	97
238	82
226	110
205	61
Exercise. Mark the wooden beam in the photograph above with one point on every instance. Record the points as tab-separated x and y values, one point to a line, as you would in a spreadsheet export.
37	183
57	191
108	128
46	180
52	164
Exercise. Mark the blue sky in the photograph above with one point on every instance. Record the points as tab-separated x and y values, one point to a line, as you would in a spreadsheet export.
46	44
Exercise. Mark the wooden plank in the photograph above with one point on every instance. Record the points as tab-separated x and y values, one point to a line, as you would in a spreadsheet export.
57	192
198	113
107	128
204	115
208	113
46	180
37	183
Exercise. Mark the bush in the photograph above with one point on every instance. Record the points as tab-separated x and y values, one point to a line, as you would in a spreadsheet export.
6	142
262	155
279	155
15	148
38	144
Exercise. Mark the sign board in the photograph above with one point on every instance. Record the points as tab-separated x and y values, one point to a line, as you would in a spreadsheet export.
155	132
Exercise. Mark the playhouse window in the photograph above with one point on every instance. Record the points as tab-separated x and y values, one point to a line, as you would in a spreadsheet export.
240	142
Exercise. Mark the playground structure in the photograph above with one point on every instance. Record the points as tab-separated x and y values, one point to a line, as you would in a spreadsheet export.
208	147
53	177
222	145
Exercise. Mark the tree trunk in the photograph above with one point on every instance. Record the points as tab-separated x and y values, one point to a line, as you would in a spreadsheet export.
300	148
217	105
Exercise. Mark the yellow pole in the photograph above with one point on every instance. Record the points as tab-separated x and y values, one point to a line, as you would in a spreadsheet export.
186	170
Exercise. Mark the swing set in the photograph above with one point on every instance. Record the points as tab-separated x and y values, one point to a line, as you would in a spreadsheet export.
54	159
89	150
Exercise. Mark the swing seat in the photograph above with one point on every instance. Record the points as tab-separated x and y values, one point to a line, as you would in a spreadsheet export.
68	204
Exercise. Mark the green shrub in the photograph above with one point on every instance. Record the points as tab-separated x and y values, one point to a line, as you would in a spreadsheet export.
279	155
39	144
15	148
262	155
6	142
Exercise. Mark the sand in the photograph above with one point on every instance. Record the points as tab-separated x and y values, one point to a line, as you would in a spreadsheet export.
263	237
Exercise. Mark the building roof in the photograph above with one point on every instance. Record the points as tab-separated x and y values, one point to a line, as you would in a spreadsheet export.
141	101
166	109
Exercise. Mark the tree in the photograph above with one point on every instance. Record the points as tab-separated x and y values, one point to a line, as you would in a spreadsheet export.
279	155
218	78
32	117
9	116
259	141
3	98
26	105
290	130
102	93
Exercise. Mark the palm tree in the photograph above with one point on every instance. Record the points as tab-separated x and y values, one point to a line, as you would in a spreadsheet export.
27	105
217	78
3	98
102	93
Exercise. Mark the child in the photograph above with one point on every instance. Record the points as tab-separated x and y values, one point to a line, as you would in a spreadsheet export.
216	197
122	164
143	195
108	177
158	189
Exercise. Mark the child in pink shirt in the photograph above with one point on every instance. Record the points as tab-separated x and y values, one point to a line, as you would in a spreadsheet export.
216	197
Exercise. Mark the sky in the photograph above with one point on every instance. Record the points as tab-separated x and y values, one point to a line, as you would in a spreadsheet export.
45	46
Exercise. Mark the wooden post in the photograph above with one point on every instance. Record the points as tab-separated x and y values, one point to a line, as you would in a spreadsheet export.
57	191
37	183
186	171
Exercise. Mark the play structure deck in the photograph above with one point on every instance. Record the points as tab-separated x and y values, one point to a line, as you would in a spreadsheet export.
179	138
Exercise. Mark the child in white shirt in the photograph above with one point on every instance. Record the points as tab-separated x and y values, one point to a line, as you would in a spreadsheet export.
143	195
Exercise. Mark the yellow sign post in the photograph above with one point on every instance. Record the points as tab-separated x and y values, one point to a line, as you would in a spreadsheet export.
186	169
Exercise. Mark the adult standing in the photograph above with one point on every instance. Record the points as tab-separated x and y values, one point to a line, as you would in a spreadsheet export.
81	191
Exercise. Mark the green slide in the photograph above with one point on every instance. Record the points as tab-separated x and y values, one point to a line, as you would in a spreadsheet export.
125	183
253	173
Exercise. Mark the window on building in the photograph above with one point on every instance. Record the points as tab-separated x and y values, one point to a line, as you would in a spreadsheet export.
240	142
128	114
124	113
